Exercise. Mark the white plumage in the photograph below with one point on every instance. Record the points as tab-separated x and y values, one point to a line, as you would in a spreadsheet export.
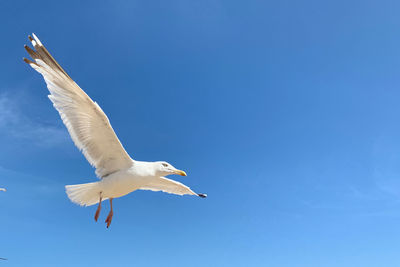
92	133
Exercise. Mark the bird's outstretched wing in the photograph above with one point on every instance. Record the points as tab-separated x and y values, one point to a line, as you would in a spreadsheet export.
168	186
86	122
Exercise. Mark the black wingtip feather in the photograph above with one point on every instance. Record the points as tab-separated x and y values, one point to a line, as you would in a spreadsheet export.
28	61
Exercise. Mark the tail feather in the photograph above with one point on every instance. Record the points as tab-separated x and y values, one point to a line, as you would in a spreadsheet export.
84	194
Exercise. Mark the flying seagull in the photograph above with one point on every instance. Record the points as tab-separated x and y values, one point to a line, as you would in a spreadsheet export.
92	133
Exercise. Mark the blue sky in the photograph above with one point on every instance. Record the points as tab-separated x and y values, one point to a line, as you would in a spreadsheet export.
286	113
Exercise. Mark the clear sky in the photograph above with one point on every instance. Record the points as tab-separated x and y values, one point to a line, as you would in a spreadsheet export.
286	113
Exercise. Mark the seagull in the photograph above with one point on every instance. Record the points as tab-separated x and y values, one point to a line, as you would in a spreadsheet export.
3	189
91	131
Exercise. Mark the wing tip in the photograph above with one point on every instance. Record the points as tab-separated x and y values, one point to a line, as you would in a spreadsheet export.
37	39
30	51
30	62
27	60
202	195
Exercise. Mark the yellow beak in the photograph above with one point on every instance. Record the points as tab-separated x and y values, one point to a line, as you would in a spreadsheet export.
181	173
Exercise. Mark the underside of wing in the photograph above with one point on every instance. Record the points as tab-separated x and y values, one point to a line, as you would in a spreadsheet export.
168	186
86	122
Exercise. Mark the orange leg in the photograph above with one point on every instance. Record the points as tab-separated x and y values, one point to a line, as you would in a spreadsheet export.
110	215
96	215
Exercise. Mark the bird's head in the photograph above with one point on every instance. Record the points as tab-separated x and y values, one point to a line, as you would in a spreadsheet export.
164	169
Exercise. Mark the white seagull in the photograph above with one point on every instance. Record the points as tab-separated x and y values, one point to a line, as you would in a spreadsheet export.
92	133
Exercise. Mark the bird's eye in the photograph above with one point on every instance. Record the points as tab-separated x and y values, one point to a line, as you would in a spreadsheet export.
165	164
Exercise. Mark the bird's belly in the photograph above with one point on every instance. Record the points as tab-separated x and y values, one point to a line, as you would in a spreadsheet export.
120	185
